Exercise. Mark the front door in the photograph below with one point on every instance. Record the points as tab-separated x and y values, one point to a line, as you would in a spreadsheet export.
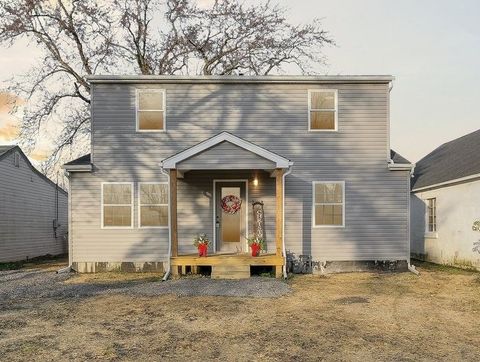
230	213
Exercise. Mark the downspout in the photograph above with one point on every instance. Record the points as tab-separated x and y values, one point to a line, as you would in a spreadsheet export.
68	268
410	266
283	226
167	272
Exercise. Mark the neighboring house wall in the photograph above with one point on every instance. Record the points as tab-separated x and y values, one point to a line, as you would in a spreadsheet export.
27	211
273	116
457	208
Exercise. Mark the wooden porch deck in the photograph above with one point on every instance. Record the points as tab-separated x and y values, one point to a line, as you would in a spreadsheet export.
226	266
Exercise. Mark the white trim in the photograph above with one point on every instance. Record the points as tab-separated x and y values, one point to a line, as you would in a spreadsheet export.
324	90
342	182
215	210
78	168
171	162
132	205
454	181
431	235
240	79
164	110
400	166
139	184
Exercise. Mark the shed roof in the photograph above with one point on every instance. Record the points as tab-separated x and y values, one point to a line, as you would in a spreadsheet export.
451	161
398	158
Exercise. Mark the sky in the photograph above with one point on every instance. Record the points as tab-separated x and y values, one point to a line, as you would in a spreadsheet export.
432	47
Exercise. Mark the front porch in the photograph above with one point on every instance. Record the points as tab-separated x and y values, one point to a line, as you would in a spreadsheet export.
214	155
226	266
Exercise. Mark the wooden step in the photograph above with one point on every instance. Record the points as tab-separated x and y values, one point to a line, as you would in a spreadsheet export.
230	271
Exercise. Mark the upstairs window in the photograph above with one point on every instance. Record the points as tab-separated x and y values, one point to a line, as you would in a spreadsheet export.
150	110
153	205
432	215
328	203
322	109
117	205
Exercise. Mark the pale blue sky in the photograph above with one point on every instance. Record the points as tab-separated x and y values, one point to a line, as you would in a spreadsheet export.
432	47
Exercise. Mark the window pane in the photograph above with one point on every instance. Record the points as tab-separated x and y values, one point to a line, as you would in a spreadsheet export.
154	216
150	101
328	215
328	193
117	216
322	119
152	120
322	100
117	194
153	194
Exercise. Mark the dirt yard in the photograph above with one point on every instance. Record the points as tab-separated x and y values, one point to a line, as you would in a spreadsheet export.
358	316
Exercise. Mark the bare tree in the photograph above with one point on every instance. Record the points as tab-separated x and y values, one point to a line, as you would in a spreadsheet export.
81	38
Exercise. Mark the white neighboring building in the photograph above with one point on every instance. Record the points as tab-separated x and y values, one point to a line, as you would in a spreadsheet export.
445	202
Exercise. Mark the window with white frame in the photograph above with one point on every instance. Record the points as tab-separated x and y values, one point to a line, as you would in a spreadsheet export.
322	109
329	203
117	205
153	204
150	110
432	215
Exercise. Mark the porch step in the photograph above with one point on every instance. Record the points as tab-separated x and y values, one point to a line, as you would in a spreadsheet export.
230	271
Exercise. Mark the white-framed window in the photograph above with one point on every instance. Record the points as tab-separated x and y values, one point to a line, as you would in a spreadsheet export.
323	110
153	205
117	205
328	204
431	226
150	110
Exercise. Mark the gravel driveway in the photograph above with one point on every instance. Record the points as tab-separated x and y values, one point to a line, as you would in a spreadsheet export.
35	283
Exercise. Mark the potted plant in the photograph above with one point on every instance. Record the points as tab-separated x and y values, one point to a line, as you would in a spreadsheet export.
256	244
201	242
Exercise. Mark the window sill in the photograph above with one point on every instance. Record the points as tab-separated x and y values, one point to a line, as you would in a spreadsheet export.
431	235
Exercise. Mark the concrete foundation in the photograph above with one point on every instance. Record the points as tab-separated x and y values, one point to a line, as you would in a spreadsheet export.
127	267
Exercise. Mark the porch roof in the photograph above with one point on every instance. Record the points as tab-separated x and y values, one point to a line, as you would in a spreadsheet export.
225	151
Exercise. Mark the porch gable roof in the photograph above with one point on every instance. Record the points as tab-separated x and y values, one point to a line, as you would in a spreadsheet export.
172	162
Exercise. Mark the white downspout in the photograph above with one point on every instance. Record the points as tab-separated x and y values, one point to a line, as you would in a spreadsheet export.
283	226
167	272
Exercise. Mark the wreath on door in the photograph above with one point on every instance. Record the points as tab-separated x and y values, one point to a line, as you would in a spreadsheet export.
231	204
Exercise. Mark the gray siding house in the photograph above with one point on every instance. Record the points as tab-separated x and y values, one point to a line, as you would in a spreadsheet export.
168	150
33	210
446	204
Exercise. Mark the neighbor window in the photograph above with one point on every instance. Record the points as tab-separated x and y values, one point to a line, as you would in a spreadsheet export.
322	109
16	159
117	204
150	110
432	215
328	203
153	204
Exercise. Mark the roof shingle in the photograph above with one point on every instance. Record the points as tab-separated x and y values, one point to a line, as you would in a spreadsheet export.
452	160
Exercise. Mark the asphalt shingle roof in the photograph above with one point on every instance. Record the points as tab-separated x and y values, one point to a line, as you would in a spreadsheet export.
5	149
452	160
397	158
84	160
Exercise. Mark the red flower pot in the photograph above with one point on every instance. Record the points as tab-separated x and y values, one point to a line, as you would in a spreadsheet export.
255	249
202	249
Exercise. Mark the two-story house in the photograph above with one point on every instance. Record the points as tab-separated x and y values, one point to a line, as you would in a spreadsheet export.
176	156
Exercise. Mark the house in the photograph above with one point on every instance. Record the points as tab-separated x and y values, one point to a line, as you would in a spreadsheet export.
446	203
171	155
33	210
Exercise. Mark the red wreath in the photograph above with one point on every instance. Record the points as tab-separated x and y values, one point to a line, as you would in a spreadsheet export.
231	204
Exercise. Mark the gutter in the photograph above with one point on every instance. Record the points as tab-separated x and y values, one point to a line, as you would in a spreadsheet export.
68	268
289	171
167	273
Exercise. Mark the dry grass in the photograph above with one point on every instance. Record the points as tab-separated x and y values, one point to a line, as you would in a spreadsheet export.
358	316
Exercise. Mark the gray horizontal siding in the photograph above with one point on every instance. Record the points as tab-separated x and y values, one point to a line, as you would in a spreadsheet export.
226	156
27	211
273	116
